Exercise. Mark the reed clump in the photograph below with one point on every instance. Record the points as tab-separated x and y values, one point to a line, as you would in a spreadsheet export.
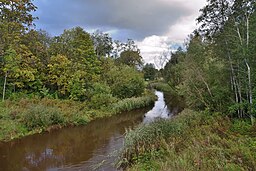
133	103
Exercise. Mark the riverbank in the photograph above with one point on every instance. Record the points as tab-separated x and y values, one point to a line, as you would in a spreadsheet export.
191	141
19	118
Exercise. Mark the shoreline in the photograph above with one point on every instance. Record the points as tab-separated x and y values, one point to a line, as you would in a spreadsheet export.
66	113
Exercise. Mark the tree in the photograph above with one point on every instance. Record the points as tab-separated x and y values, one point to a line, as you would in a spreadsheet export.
15	18
229	29
163	58
103	44
149	71
10	64
130	58
214	16
77	46
125	81
119	47
59	74
172	71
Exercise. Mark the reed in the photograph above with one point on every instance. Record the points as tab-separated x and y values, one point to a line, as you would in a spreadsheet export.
26	116
133	103
161	86
191	141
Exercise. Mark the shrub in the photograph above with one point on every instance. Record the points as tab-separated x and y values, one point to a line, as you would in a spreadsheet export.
125	82
39	116
101	96
80	118
99	101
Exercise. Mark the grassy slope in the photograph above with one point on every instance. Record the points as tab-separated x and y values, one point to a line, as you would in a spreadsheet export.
192	141
29	116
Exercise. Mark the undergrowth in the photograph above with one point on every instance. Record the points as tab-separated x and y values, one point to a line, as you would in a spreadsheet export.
27	116
191	141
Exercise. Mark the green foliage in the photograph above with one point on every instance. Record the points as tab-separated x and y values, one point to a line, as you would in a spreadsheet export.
161	86
29	114
103	44
216	71
130	58
65	66
10	129
125	82
101	96
149	71
63	80
80	118
190	141
133	103
39	116
59	73
243	127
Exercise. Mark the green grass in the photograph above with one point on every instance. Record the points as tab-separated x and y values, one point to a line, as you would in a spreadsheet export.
134	103
161	86
191	141
28	116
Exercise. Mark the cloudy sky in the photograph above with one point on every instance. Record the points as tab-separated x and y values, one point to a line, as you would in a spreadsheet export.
155	25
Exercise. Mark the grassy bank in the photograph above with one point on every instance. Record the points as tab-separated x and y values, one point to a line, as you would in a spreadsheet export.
28	116
162	86
191	141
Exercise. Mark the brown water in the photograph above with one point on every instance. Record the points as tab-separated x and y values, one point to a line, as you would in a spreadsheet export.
90	147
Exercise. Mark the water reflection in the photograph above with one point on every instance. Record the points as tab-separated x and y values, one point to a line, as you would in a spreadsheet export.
81	148
160	109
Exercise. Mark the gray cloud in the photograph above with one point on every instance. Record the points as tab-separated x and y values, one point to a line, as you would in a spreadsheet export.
131	19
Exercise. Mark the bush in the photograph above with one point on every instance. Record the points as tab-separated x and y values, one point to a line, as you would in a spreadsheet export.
39	116
101	96
99	101
80	118
125	82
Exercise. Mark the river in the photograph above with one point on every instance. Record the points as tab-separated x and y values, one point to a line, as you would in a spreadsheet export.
90	147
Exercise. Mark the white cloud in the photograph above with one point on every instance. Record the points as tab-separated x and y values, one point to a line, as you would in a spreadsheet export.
153	46
155	24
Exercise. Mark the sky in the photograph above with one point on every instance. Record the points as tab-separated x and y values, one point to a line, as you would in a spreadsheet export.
155	25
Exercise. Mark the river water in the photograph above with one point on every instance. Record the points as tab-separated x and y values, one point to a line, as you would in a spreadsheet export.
91	147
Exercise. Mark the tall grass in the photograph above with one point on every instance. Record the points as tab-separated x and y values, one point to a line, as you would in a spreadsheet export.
28	116
191	141
133	103
161	86
39	116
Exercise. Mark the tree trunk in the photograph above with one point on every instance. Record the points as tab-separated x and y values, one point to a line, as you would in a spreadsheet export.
250	91
5	78
233	77
247	30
